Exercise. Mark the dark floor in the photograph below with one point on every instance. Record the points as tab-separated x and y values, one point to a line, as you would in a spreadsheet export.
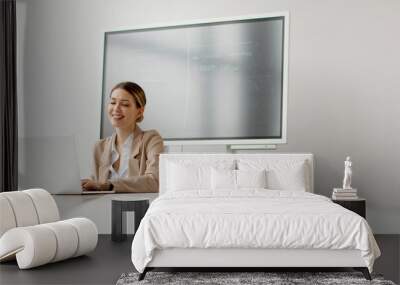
102	266
111	259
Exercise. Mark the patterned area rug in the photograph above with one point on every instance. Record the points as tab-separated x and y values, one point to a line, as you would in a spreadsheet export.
270	278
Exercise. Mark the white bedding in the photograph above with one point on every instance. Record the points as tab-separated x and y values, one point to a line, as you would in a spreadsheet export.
251	218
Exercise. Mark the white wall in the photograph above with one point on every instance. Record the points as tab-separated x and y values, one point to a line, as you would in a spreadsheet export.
344	78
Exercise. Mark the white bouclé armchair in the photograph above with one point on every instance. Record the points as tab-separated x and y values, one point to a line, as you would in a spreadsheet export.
31	231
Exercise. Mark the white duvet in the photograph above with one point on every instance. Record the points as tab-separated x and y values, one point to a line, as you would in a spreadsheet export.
251	218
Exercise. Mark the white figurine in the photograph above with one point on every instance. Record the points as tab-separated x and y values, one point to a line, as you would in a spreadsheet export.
347	174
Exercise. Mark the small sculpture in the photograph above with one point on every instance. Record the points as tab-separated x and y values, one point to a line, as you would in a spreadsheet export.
347	174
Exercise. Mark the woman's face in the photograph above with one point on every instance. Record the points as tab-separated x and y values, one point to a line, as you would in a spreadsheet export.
122	111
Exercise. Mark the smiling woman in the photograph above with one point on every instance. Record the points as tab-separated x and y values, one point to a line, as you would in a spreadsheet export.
126	161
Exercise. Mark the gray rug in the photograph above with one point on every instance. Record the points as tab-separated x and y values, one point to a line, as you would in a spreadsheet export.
270	278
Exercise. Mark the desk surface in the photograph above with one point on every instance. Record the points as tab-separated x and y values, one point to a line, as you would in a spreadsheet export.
108	196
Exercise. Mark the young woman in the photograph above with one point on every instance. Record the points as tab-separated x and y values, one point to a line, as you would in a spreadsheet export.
127	161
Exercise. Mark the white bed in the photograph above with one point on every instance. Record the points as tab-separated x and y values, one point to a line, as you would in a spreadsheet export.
228	218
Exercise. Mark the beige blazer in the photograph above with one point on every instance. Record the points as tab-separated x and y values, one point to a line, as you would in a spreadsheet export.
142	166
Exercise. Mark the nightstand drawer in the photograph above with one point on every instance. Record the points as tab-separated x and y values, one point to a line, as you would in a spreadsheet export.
357	206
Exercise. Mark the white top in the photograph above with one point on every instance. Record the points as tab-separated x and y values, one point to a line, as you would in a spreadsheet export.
123	164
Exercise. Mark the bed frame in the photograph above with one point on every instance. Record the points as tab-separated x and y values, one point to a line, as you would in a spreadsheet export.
246	258
242	259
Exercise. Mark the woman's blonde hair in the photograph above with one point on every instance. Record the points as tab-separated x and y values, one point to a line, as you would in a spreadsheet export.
137	93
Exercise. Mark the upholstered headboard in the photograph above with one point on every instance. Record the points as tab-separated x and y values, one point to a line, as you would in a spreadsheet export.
270	158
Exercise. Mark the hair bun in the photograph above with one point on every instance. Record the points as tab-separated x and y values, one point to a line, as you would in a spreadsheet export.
140	118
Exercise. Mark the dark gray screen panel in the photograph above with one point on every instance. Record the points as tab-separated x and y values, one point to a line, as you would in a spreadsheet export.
207	81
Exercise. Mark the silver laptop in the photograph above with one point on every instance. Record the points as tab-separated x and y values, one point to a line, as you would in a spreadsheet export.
51	163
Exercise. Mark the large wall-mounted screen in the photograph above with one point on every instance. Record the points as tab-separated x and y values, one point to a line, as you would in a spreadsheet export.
223	81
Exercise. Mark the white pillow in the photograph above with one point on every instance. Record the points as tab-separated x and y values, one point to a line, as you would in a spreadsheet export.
293	178
183	177
186	175
281	174
251	178
223	179
235	179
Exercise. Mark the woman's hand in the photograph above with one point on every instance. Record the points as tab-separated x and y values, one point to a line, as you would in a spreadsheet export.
91	185
83	182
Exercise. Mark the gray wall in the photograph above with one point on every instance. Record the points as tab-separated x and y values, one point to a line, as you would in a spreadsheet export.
344	76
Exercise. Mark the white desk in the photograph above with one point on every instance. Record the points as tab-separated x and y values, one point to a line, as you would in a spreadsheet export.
96	207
